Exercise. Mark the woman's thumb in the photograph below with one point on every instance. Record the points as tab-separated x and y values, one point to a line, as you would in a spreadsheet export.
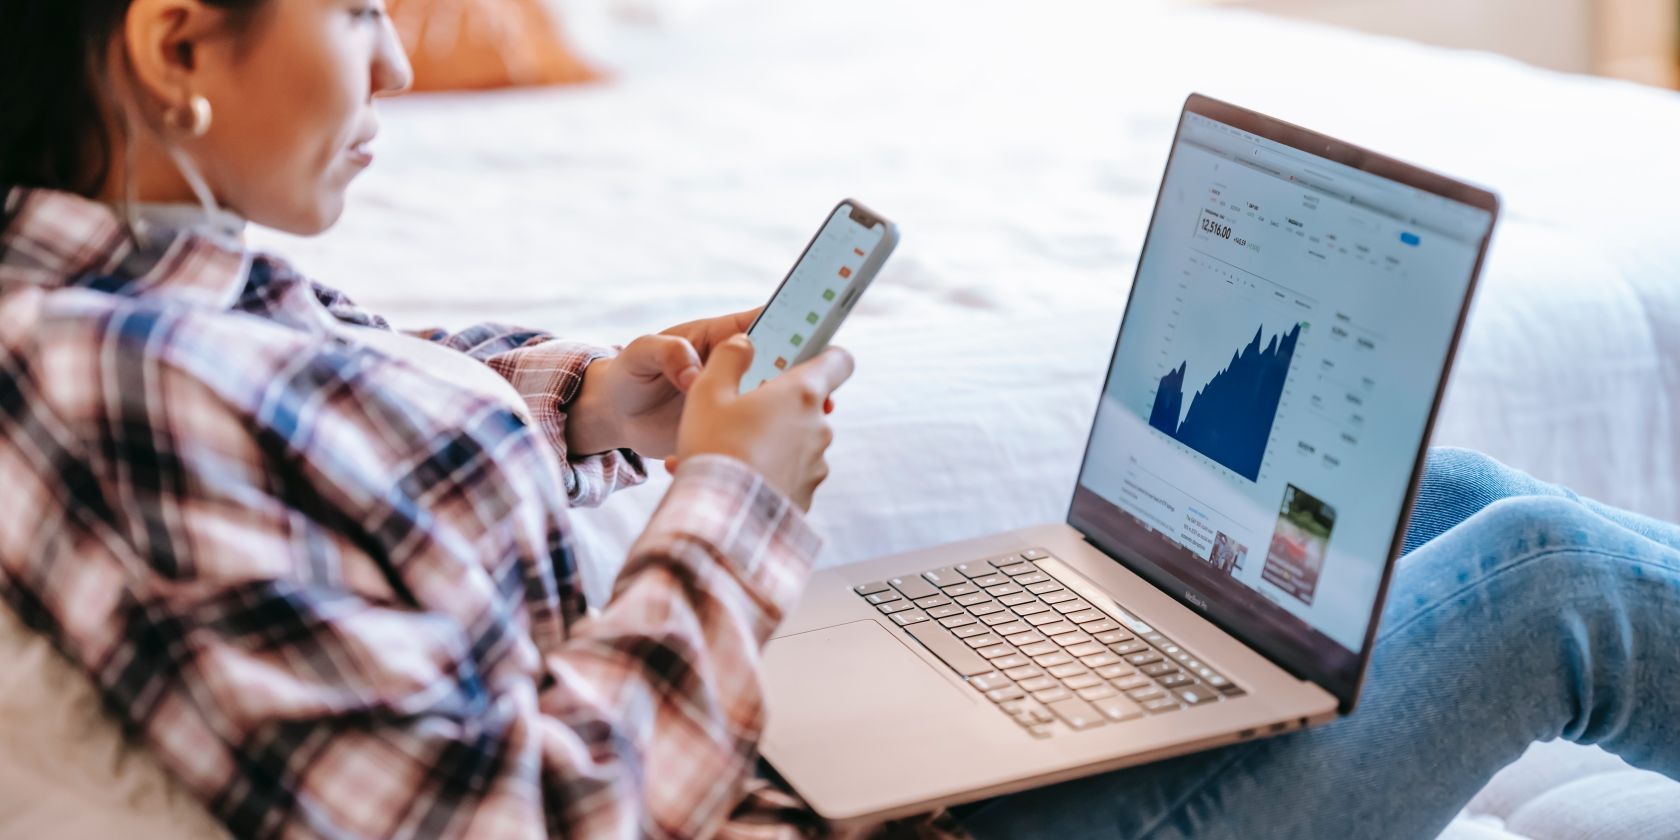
725	366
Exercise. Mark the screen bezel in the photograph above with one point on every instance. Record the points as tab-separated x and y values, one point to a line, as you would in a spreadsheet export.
1096	518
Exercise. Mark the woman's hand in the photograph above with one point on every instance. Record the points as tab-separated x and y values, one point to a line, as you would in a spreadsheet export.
636	399
779	429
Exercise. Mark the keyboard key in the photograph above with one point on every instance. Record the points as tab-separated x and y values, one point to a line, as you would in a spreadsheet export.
1022	672
1111	637
1031	637
1071	605
1076	713
1085	680
1100	658
1129	648
905	619
961	589
947	611
1110	672
1039	730
974	629
946	576
1175	680
992	579
983	640
1016	599
1144	695
913	587
1155	638
1008	692
1118	708
1143	658
1159	669
1040	648
975	568
1095	692
1080	617
1038	683
1032	712
957	620
998	619
1051	695
1067	669
1003	589
1007	560
1043	618
989	681
1034	554
895	606
1057	597
1043	587
1011	626
949	649
1034	608
985	609
1057	628
932	601
1050	660
1216	680
995	651
1032	578
871	588
1018	569
1160	704
1084	649
1073	639
1013	660
1132	682
1197	696
1102	625
881	597
973	598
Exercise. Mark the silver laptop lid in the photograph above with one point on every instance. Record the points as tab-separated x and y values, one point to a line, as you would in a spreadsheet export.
1283	352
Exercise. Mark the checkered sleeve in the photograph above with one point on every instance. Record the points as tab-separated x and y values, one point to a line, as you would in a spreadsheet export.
546	371
329	609
679	646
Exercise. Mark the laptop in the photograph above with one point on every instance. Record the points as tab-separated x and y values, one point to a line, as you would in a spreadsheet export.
1237	516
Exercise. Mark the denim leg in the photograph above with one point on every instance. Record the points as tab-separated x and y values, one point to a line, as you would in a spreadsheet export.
1458	482
1536	618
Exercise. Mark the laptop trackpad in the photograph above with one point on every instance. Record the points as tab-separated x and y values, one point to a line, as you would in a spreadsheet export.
859	673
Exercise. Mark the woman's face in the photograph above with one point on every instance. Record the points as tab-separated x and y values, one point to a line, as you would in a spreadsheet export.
291	96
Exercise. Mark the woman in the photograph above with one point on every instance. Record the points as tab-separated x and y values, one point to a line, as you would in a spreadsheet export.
322	568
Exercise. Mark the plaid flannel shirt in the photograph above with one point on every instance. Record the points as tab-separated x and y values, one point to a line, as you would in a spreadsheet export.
336	596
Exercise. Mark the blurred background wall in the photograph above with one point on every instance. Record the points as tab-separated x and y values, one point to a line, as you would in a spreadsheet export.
1627	39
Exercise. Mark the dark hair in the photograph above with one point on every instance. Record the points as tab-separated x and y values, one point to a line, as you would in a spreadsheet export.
53	90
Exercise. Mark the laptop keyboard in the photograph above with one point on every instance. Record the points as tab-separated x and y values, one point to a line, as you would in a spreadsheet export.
1039	651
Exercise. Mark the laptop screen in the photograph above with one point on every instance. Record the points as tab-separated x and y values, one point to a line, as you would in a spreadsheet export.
1276	371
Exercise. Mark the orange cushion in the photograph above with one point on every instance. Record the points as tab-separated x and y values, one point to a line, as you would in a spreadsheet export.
480	44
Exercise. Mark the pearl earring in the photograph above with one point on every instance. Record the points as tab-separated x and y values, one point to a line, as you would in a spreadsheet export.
193	118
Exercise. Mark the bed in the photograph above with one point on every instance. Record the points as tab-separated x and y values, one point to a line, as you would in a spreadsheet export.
1019	145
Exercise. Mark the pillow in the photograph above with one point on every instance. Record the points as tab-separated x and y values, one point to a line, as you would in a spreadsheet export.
65	768
482	44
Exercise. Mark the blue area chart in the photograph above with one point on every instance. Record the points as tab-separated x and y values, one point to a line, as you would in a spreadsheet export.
1231	418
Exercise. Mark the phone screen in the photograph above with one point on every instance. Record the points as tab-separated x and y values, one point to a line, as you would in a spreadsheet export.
787	332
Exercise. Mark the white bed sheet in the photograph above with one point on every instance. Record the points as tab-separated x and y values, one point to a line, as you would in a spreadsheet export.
1019	146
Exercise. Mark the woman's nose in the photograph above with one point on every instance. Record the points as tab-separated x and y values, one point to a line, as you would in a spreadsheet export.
392	74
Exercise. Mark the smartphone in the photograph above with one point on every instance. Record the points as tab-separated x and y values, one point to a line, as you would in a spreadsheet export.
820	291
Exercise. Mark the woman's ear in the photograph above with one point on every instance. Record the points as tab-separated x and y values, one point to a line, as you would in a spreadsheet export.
163	40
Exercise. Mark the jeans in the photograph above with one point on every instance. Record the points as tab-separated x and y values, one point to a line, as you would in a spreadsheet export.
1519	613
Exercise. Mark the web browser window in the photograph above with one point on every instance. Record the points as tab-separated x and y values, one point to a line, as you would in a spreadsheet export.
1281	352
